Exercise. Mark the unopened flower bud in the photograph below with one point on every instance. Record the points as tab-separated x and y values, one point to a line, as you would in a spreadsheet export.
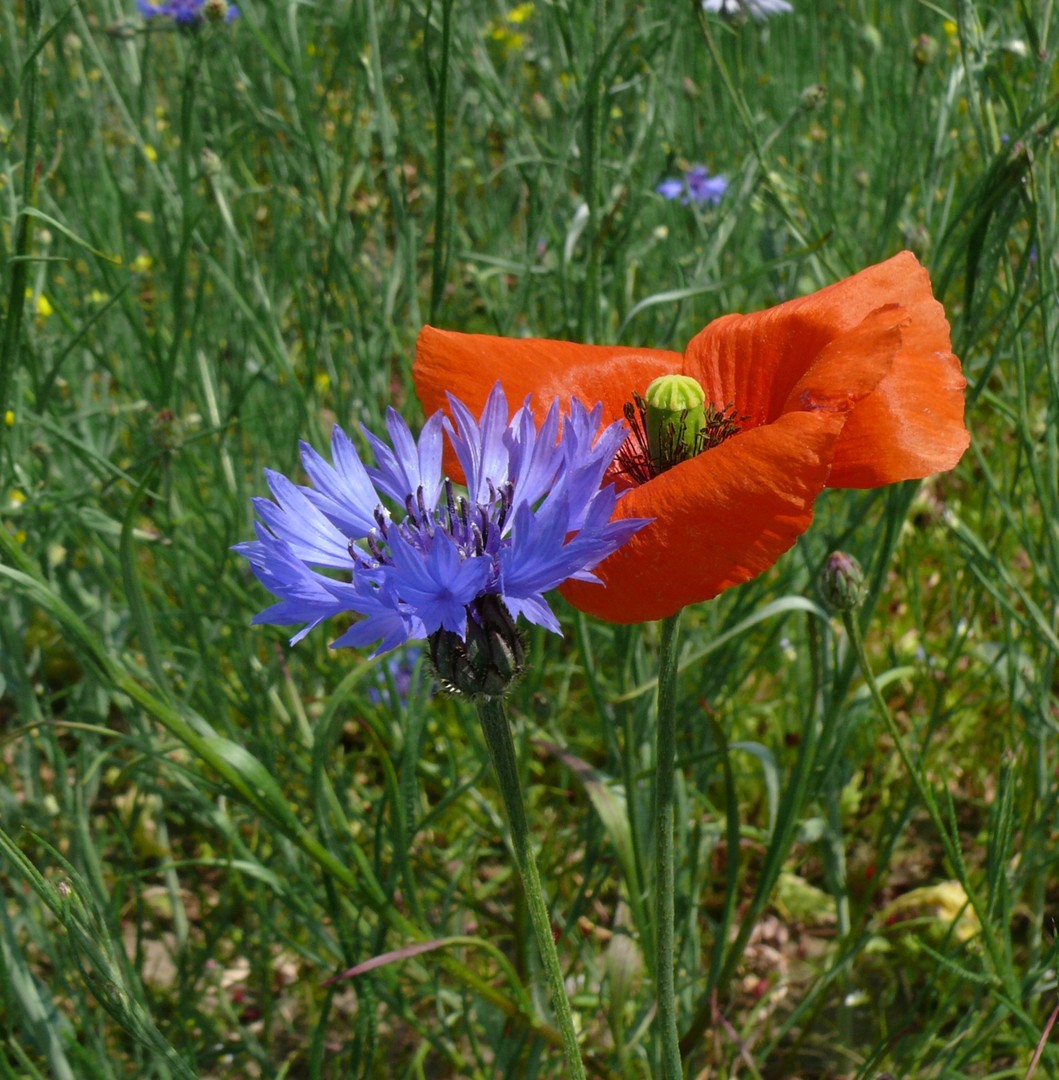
842	582
812	97
211	163
871	37
216	11
676	413
923	51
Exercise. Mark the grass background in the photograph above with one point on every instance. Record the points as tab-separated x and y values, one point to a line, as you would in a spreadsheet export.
215	244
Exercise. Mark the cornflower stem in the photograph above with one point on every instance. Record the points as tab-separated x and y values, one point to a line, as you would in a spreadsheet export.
665	770
497	731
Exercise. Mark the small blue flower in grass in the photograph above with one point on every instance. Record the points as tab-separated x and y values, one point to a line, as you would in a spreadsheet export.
397	672
697	186
418	559
190	13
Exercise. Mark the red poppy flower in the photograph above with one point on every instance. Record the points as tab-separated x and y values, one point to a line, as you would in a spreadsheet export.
854	386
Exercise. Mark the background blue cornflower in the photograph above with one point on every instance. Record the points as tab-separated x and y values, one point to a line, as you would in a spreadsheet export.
697	186
189	13
423	558
396	672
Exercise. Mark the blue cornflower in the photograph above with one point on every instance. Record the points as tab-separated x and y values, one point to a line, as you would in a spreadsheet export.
456	569
735	9
398	671
697	186
190	13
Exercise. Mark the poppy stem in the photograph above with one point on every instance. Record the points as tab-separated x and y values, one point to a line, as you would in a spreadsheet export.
497	731
665	770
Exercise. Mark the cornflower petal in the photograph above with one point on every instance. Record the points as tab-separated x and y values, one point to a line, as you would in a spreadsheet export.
439	586
408	467
535	456
385	628
384	621
481	449
344	493
293	518
671	189
304	596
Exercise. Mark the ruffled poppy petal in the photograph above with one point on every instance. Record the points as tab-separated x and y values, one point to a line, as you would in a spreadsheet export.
468	366
853	386
911	426
721	519
851	365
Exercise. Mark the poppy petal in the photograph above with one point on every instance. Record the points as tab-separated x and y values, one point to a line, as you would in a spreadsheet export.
468	366
851	365
721	519
912	424
755	361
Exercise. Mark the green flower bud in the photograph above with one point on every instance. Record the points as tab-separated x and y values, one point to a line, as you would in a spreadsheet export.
924	50
812	97
676	413
842	582
216	11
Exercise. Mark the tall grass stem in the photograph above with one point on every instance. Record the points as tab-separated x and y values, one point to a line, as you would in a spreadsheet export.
16	301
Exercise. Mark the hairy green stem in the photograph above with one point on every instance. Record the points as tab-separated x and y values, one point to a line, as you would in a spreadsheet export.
665	769
497	731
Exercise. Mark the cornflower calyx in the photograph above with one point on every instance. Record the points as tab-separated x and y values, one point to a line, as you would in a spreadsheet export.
487	660
672	424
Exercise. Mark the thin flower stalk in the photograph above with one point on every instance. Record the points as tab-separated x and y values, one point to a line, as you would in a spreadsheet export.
496	728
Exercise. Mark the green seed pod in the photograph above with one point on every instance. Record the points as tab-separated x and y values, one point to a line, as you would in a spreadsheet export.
676	413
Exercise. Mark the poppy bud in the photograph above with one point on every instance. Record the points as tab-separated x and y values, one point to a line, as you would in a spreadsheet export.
842	582
488	659
924	50
216	11
676	413
812	97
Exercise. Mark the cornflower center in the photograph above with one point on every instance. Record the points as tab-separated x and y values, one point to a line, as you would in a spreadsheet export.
672	424
476	528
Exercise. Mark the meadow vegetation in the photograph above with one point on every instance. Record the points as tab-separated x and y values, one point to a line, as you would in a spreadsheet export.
216	243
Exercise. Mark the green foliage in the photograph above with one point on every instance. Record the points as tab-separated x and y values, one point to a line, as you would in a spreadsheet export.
215	244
